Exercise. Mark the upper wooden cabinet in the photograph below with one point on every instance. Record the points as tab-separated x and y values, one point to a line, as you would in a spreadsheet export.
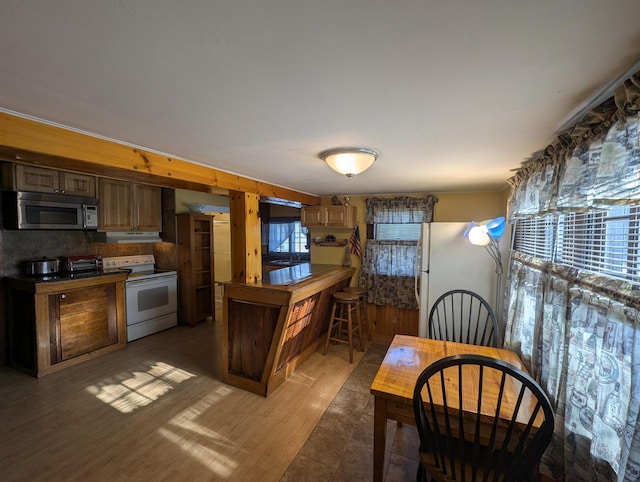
18	177
328	216
125	206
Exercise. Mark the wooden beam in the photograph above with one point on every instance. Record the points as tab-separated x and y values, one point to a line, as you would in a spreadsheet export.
246	249
29	141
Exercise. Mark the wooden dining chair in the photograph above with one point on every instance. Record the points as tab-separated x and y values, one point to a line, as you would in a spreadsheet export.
465	317
500	433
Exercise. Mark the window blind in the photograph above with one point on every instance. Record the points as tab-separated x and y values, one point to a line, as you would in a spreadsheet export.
604	242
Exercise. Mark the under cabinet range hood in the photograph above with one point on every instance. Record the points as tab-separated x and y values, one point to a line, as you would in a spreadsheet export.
130	237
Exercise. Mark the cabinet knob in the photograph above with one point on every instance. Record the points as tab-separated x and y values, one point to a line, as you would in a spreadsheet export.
63	296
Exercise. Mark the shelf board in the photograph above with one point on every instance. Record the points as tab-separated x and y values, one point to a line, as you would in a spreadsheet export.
337	243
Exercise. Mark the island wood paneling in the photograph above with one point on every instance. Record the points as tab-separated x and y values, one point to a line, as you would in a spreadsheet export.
270	329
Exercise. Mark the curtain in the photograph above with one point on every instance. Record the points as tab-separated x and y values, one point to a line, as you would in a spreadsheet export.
584	348
388	266
400	210
388	273
579	332
279	233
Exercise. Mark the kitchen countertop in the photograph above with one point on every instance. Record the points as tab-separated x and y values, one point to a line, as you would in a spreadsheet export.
64	280
64	276
294	274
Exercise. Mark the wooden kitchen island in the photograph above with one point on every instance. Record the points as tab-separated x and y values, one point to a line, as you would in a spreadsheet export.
270	328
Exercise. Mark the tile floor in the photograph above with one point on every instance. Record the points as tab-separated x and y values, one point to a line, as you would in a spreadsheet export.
340	448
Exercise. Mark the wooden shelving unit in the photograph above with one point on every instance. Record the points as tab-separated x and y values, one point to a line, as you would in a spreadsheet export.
195	268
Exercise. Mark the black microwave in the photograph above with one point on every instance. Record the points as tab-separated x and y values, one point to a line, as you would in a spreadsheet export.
34	210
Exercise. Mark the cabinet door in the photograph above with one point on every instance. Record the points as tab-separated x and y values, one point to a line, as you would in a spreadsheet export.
38	179
77	184
83	321
339	216
147	205
115	205
312	216
334	216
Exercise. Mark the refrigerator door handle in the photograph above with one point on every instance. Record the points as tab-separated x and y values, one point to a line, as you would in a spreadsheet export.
417	269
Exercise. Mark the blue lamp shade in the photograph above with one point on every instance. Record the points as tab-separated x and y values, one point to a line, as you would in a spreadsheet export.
496	226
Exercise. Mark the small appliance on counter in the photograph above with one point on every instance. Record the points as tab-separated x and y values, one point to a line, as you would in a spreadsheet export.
42	266
88	262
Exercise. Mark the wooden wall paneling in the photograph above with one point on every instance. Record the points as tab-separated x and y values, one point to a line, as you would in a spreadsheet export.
388	321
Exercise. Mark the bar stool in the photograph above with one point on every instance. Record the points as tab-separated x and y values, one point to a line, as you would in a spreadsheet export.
341	322
362	306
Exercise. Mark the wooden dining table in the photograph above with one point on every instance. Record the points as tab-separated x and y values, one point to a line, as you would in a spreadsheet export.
395	381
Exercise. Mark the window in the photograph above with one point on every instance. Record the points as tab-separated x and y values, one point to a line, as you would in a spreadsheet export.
535	236
287	236
389	263
604	241
397	232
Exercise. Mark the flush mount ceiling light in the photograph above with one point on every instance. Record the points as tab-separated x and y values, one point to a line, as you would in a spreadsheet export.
349	161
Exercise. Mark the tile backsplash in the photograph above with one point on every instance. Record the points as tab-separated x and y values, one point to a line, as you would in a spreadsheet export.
19	246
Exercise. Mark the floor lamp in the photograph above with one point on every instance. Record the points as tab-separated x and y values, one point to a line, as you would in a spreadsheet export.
488	234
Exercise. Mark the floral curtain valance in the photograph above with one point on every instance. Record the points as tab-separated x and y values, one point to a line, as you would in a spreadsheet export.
400	210
595	164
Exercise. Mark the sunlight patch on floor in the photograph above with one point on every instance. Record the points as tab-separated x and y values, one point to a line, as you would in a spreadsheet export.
127	392
222	465
211	458
186	419
299	377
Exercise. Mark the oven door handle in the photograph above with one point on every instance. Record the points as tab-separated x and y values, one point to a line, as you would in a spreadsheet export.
155	279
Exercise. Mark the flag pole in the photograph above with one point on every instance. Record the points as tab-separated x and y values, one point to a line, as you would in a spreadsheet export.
347	256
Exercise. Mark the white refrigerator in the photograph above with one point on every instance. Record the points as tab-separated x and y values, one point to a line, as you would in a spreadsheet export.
449	261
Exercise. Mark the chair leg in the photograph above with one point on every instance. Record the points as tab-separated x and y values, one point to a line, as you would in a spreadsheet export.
331	322
421	476
365	318
350	334
359	327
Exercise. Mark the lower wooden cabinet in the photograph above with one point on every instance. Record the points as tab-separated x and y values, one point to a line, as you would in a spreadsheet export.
57	324
82	321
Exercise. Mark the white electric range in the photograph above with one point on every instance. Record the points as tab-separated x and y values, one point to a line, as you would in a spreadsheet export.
151	294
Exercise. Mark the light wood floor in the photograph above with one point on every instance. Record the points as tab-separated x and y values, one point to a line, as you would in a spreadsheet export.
157	410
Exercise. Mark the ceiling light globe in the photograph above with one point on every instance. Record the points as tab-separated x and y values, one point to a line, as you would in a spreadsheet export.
349	161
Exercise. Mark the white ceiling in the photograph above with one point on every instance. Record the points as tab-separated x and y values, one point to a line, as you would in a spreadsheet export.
453	93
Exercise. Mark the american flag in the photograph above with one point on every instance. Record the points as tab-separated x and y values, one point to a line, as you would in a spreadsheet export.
354	243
